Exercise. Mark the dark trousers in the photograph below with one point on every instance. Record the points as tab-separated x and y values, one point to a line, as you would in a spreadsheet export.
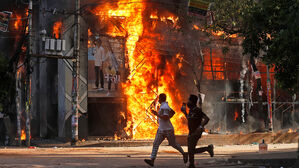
99	73
109	82
2	132
192	142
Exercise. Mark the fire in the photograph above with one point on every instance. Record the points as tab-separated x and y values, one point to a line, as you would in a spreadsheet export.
154	16
291	130
23	135
222	33
18	22
57	29
116	137
180	58
216	33
196	27
236	115
151	73
27	14
173	19
89	40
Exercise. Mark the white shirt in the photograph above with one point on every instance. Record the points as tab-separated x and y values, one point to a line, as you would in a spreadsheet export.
99	55
164	124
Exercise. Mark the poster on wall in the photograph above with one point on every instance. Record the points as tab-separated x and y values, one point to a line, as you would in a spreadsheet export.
105	66
4	20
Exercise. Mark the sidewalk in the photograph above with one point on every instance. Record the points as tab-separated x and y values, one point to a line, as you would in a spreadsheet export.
273	158
216	139
229	156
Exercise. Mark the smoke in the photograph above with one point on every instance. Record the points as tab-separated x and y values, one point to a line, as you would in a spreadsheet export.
216	107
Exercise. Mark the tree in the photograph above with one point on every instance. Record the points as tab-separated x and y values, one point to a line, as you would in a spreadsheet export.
270	31
229	15
272	27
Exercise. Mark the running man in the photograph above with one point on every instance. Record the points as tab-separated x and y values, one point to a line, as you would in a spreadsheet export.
165	130
196	122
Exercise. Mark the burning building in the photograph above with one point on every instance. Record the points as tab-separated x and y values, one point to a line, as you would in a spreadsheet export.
154	48
164	54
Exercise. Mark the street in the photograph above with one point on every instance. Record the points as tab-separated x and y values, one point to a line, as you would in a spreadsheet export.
122	157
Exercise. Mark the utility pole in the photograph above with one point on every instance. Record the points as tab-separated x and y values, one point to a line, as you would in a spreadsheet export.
28	75
76	73
18	105
269	99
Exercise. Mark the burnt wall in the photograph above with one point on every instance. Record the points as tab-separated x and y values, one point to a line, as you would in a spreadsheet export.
104	116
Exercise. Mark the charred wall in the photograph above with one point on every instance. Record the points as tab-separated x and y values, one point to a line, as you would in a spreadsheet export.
52	77
45	70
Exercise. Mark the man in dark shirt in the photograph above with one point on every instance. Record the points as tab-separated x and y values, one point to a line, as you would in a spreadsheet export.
196	122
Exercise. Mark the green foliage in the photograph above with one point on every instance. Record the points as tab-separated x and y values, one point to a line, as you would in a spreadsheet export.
272	27
268	27
229	14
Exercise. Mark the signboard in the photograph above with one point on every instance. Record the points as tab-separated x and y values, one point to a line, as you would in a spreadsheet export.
4	20
198	7
106	71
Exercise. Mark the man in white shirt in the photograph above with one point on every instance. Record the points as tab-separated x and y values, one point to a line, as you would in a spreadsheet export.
100	57
165	130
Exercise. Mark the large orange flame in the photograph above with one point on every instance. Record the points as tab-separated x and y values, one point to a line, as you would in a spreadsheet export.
18	22
151	73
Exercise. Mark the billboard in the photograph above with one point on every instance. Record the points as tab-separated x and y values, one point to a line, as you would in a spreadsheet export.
198	7
4	20
105	66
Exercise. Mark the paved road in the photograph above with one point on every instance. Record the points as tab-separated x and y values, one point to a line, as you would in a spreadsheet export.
130	157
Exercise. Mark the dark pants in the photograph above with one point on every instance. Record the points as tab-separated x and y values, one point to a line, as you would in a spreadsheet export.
192	142
2	132
109	82
99	72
